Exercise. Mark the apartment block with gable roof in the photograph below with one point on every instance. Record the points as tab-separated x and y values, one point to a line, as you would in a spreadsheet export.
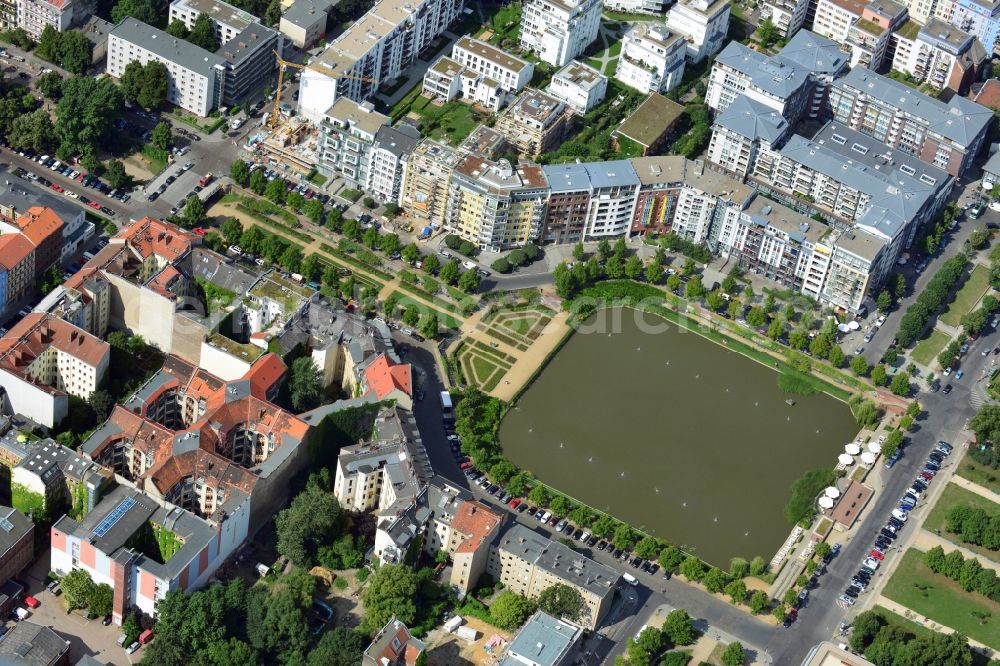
17	199
44	360
17	269
34	15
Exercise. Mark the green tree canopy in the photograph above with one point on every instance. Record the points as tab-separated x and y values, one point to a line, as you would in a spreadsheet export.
562	601
390	592
510	610
203	33
313	519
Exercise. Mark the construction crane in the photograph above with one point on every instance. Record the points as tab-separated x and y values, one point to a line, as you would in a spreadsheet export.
282	63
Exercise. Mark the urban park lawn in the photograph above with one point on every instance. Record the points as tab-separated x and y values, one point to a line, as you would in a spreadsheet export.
943	600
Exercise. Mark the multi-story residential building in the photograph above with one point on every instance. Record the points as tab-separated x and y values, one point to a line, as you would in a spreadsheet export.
704	24
980	19
788	16
44	228
855	180
495	205
8	14
383	471
578	86
652	58
870	38
542	641
559	31
17	269
197	77
637	6
303	22
228	21
426	177
446	80
534	123
65	481
17	200
393	645
201	80
946	135
481	57
834	18
446	519
479	72
940	56
34	15
17	542
213	460
528	563
589	201
822	59
770	240
389	151
741	132
43	360
347	135
377	48
45	646
739	70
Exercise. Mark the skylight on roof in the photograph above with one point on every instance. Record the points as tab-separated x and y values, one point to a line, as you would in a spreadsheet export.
924	178
858	148
838	139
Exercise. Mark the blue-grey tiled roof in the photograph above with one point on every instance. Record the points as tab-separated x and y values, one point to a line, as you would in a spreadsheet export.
768	74
959	120
809	51
753	120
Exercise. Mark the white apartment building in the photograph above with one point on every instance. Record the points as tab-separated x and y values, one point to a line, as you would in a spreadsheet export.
788	16
426	178
385	166
704	23
741	133
377	48
43	359
579	86
559	31
34	15
478	72
739	70
197	77
382	472
652	58
869	38
511	73
939	55
229	21
834	18
348	131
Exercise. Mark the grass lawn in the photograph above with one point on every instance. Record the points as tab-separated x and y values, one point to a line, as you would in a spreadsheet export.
928	349
444	318
506	23
979	474
942	600
968	296
456	120
953	496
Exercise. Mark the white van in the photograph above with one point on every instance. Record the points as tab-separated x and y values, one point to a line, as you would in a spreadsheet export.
630	579
545	517
469	264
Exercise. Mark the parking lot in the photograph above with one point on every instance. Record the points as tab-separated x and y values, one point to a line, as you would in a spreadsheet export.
88	637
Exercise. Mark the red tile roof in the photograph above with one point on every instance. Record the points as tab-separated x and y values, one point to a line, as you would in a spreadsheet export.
989	94
150	236
382	376
476	522
39	224
39	331
14	248
268	370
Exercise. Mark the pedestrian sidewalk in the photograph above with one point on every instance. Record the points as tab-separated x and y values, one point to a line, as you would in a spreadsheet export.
925	540
976	488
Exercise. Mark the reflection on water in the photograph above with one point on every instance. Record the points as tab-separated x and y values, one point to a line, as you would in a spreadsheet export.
674	434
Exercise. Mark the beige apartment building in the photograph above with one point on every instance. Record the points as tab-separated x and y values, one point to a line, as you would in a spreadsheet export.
527	563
